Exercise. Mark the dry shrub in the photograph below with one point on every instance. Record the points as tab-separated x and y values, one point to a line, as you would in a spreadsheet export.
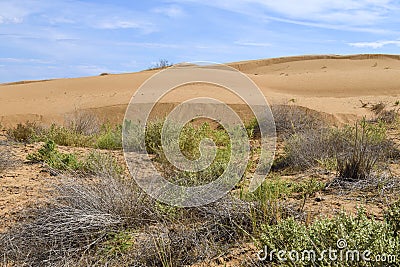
378	108
84	122
306	149
161	64
87	213
388	116
82	215
381	185
197	235
25	133
364	145
290	119
55	233
356	150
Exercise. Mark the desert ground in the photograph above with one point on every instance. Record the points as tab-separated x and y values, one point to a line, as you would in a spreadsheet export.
330	91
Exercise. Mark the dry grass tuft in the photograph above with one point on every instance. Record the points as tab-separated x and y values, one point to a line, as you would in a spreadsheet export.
83	122
290	119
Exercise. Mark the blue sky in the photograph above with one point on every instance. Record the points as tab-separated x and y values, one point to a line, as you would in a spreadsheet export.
42	39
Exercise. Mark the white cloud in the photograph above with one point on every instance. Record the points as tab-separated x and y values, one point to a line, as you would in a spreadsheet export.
10	20
257	44
101	16
148	45
24	60
375	45
170	11
351	15
118	24
352	12
13	12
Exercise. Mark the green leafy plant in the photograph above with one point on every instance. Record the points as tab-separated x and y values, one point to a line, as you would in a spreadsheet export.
116	244
392	217
109	137
49	154
359	233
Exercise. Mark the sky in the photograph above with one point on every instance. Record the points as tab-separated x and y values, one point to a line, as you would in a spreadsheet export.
43	39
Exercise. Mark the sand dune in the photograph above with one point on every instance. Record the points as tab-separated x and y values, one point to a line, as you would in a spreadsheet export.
326	83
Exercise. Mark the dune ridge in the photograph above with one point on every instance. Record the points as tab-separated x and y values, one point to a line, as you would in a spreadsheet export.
330	84
249	64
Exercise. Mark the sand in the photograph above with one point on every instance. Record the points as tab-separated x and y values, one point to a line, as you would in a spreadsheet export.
326	83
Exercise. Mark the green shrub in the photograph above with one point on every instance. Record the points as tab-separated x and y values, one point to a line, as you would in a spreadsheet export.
153	136
189	142
49	154
392	217
102	164
116	244
359	233
65	137
133	135
269	199
109	138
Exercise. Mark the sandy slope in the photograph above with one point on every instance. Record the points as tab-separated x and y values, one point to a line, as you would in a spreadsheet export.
331	84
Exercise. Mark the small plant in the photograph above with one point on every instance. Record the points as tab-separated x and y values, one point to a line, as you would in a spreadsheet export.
309	187
269	205
25	133
109	138
392	218
49	154
161	64
102	164
116	244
